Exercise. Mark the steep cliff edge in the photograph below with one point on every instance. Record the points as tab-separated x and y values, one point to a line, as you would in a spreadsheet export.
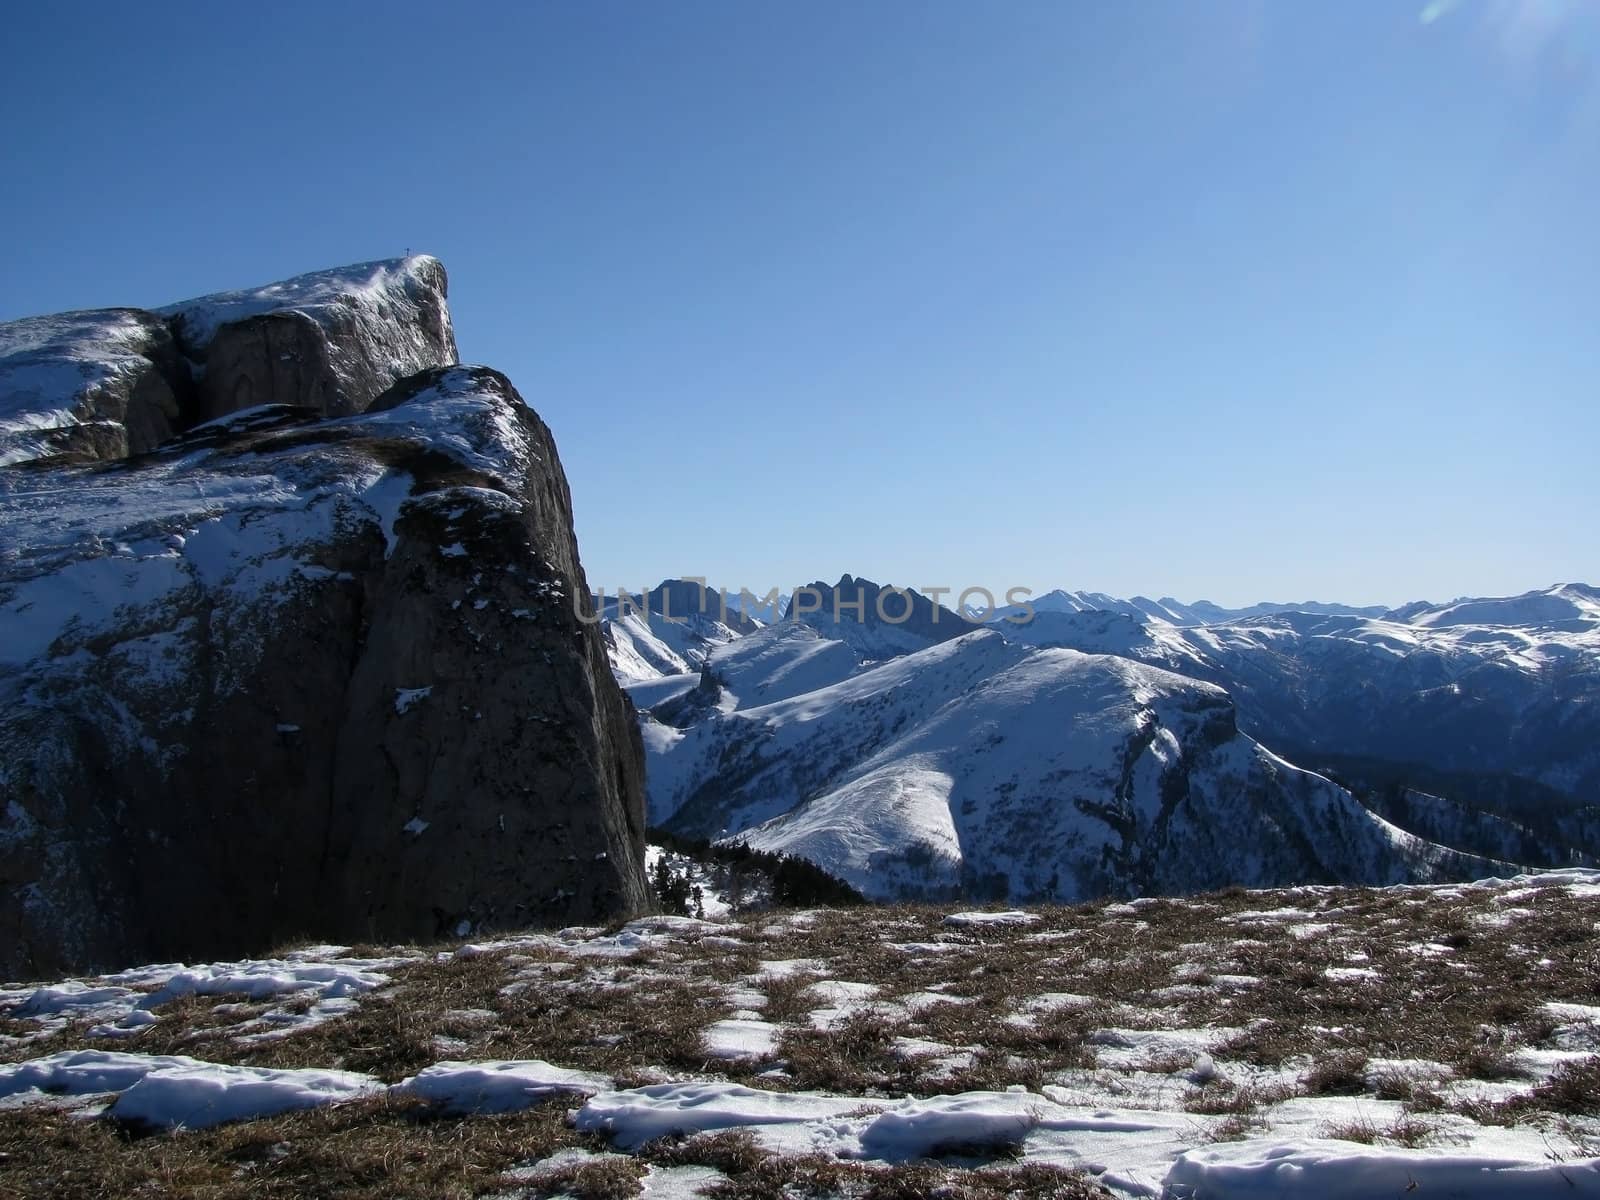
290	675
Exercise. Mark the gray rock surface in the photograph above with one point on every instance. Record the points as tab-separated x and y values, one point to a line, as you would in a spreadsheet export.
293	676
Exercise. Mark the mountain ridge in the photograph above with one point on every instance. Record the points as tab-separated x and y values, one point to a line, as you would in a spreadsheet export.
1284	674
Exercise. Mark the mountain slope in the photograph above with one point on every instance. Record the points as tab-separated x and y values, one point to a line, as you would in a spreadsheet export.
876	621
980	768
1172	611
668	630
1500	686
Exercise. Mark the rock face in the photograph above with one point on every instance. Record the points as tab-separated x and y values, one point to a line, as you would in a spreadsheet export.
107	383
331	340
290	675
96	385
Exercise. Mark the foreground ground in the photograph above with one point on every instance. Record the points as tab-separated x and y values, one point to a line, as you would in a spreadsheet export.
1350	1042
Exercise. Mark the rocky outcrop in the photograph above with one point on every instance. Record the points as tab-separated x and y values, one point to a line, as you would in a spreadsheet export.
107	383
95	385
293	676
331	340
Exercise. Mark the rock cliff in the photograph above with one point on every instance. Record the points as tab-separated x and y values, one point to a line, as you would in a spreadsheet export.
106	383
296	675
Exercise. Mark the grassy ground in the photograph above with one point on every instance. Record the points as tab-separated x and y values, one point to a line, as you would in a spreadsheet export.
1433	998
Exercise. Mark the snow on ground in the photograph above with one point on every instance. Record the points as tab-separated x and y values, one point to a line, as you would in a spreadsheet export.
315	985
205	1094
174	1090
641	1115
494	1087
707	895
1338	1171
741	1037
1163	1048
1012	917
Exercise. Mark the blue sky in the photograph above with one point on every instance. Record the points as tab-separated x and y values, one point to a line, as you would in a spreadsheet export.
1237	300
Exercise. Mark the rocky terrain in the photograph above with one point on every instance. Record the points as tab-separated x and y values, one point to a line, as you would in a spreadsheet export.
311	667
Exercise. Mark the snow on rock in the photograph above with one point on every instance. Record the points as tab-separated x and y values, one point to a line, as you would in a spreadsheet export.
107	383
289	568
331	340
99	384
498	1086
1329	1170
199	1095
404	698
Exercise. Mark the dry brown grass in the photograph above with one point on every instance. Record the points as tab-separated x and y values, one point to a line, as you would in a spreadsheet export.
1573	1089
1357	1129
783	1177
610	1178
1340	1074
380	1149
731	1151
1228	1100
1448	986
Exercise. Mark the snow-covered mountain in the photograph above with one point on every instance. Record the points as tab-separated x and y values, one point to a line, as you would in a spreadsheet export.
1172	611
1068	754
980	768
667	630
1502	686
674	628
877	622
